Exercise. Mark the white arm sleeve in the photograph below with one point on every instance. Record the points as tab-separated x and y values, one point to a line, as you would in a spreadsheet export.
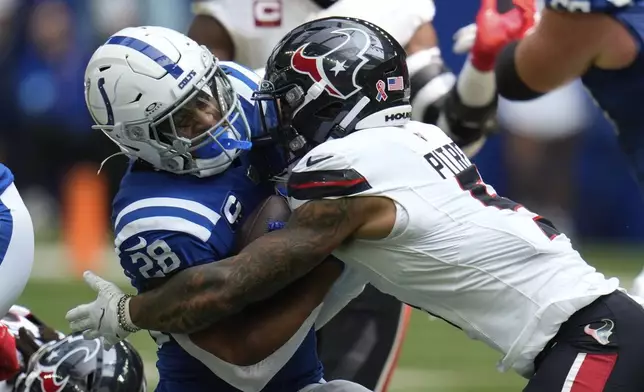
400	18
348	286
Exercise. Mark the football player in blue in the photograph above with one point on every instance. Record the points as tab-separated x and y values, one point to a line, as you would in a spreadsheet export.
16	242
599	41
186	121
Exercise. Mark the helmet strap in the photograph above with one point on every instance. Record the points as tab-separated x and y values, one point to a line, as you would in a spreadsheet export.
353	113
311	94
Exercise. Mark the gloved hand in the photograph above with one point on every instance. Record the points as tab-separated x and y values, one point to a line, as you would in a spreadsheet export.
9	363
493	31
99	318
464	39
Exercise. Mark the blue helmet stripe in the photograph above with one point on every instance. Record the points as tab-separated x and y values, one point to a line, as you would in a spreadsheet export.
108	105
150	51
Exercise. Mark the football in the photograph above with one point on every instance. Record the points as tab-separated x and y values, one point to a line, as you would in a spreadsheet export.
273	209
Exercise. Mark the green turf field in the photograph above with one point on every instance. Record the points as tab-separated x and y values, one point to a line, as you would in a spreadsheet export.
435	357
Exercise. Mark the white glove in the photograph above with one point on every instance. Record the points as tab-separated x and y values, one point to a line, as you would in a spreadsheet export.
464	39
99	318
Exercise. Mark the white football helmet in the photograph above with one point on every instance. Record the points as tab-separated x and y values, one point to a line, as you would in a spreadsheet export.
146	86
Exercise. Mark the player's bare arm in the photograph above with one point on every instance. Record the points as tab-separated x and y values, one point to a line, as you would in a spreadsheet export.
200	296
424	38
208	31
561	48
260	329
256	332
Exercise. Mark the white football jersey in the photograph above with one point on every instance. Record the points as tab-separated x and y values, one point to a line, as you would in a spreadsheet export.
459	251
256	26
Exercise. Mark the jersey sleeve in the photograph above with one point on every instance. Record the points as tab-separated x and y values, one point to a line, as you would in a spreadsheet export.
589	6
371	162
156	237
399	18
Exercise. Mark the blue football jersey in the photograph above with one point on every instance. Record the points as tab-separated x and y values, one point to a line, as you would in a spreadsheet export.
164	223
6	178
618	92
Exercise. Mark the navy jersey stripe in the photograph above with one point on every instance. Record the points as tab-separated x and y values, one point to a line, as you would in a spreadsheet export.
326	183
155	211
171	202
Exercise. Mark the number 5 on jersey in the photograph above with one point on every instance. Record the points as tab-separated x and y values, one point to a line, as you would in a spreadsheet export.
470	180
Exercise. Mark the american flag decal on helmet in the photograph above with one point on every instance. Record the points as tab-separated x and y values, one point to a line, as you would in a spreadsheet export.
395	83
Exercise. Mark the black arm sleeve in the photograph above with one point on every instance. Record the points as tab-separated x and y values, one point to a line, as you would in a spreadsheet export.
435	100
508	81
466	124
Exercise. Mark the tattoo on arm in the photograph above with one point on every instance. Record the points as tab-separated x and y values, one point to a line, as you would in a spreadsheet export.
198	297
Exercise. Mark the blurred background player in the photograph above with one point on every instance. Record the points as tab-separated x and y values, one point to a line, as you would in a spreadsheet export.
597	41
552	123
45	360
184	120
362	342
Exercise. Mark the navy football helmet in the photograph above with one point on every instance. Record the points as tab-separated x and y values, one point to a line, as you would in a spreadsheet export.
330	77
74	364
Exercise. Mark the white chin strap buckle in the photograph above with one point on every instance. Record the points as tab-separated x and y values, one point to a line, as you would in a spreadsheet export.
312	93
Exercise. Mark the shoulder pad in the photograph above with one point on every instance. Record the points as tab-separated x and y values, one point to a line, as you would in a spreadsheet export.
326	172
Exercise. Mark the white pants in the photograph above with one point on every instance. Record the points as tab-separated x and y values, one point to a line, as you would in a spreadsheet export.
334	386
561	113
16	247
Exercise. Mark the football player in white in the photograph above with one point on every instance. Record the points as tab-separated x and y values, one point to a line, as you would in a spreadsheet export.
247	30
400	202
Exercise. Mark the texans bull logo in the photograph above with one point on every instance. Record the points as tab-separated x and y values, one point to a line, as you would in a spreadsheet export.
75	348
328	70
